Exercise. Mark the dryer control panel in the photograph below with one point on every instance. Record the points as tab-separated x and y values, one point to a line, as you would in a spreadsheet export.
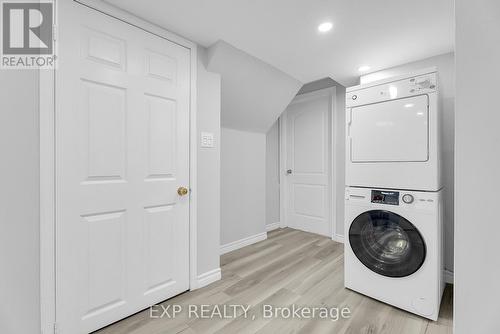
385	197
415	85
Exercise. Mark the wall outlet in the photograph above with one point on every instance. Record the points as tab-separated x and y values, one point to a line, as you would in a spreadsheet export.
207	139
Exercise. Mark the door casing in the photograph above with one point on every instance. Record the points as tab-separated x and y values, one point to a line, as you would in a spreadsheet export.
47	93
331	92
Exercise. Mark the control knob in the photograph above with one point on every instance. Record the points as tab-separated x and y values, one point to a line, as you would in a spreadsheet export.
408	199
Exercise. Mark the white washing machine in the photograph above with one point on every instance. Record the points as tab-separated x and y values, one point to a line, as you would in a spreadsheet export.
393	133
394	247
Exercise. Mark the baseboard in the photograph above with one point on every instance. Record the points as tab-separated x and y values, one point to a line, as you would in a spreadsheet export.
242	242
338	238
208	278
448	276
273	226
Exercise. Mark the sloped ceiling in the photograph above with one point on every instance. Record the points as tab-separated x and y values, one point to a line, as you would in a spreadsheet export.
254	93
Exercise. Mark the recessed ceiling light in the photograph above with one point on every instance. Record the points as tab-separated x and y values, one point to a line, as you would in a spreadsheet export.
325	26
364	68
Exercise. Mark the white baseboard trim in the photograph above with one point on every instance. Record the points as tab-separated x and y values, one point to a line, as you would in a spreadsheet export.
338	238
448	276
208	278
242	242
273	226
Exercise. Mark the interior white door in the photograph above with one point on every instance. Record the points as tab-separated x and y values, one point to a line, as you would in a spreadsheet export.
308	138
392	131
122	151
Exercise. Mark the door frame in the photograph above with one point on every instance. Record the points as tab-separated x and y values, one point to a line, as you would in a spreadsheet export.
47	108
283	120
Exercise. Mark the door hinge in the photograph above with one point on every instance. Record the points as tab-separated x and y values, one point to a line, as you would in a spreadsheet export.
349	116
54	32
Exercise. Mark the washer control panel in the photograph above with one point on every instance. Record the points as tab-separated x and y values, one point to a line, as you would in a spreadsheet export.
385	197
394	199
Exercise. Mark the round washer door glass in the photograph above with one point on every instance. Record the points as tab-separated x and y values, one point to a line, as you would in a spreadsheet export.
387	243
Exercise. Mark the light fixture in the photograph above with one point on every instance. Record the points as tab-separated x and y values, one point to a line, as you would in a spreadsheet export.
409	105
364	68
325	27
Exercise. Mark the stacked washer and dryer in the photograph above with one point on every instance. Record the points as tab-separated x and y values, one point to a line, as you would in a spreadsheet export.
394	206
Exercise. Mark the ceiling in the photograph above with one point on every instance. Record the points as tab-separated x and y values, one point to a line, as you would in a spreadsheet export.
283	33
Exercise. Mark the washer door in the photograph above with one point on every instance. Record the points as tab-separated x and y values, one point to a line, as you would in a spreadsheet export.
387	243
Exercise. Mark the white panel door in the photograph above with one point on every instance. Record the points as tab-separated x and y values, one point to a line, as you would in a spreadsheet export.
392	131
122	151
308	164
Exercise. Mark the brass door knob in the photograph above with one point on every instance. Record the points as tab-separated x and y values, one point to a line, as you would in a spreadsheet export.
182	191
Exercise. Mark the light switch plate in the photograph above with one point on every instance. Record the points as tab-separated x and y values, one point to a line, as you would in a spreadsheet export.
207	139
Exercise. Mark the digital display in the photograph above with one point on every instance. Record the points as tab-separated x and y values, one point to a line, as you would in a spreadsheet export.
385	197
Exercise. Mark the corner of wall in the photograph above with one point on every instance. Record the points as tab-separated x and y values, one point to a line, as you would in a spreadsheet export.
208	170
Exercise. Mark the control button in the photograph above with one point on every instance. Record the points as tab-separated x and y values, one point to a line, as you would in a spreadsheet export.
354	97
408	199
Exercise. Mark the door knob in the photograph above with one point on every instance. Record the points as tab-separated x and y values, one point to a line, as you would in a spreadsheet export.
289	171
182	191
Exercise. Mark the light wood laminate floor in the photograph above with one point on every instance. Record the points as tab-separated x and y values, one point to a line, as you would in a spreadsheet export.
290	267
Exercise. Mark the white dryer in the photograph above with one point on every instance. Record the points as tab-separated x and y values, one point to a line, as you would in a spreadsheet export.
393	247
393	133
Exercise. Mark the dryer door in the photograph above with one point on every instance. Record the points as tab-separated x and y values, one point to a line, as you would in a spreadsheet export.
390	131
387	243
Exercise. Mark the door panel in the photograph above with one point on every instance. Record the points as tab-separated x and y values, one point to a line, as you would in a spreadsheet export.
396	130
158	241
105	49
307	140
308	132
104	110
106	268
161	124
309	200
122	150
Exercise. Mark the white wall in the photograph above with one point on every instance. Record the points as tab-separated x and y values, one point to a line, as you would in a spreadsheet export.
272	175
477	177
208	120
446	68
19	202
243	189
